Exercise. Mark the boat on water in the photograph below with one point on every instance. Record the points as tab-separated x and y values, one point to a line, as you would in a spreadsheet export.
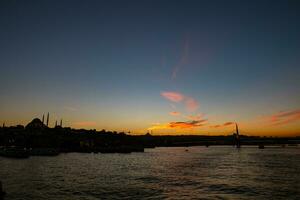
14	152
44	152
292	145
261	146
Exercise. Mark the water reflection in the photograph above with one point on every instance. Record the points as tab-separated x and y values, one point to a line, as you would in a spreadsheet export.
161	173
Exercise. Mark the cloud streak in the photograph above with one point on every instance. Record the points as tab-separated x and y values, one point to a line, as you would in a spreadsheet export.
183	60
180	124
222	125
190	103
188	124
284	117
69	108
174	113
172	96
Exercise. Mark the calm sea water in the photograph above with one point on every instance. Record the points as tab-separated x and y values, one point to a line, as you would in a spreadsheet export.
160	173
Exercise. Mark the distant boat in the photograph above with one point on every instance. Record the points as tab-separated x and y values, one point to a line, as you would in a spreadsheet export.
261	146
14	152
44	152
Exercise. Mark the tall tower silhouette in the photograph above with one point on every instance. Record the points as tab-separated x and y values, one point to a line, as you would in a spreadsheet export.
237	137
47	119
43	119
55	123
61	123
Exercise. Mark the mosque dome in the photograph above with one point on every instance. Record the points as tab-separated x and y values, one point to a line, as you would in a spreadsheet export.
36	123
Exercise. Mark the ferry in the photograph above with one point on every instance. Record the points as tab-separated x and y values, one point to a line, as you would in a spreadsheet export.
14	152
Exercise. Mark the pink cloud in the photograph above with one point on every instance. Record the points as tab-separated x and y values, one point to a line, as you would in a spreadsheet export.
172	96
174	113
284	117
191	104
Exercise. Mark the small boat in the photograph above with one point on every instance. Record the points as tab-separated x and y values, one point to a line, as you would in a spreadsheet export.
44	152
14	152
261	146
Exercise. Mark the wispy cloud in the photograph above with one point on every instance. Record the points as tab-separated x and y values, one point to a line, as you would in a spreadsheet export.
222	125
284	117
191	104
69	108
180	125
174	113
183	60
187	124
172	96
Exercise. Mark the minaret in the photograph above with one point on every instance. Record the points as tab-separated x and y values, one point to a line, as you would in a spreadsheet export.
43	119
47	119
61	123
56	123
3	124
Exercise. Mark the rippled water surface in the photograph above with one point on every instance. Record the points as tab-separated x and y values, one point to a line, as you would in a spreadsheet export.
160	173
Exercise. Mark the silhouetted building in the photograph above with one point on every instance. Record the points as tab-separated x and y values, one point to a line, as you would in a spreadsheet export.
35	123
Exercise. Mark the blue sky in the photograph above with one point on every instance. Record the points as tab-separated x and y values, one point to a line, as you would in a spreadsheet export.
104	64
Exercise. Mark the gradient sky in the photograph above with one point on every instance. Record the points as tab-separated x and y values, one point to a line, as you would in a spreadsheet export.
185	67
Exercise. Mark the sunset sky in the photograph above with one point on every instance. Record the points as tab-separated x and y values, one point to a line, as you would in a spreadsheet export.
170	67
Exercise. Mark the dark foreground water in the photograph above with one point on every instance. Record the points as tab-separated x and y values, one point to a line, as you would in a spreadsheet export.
161	173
